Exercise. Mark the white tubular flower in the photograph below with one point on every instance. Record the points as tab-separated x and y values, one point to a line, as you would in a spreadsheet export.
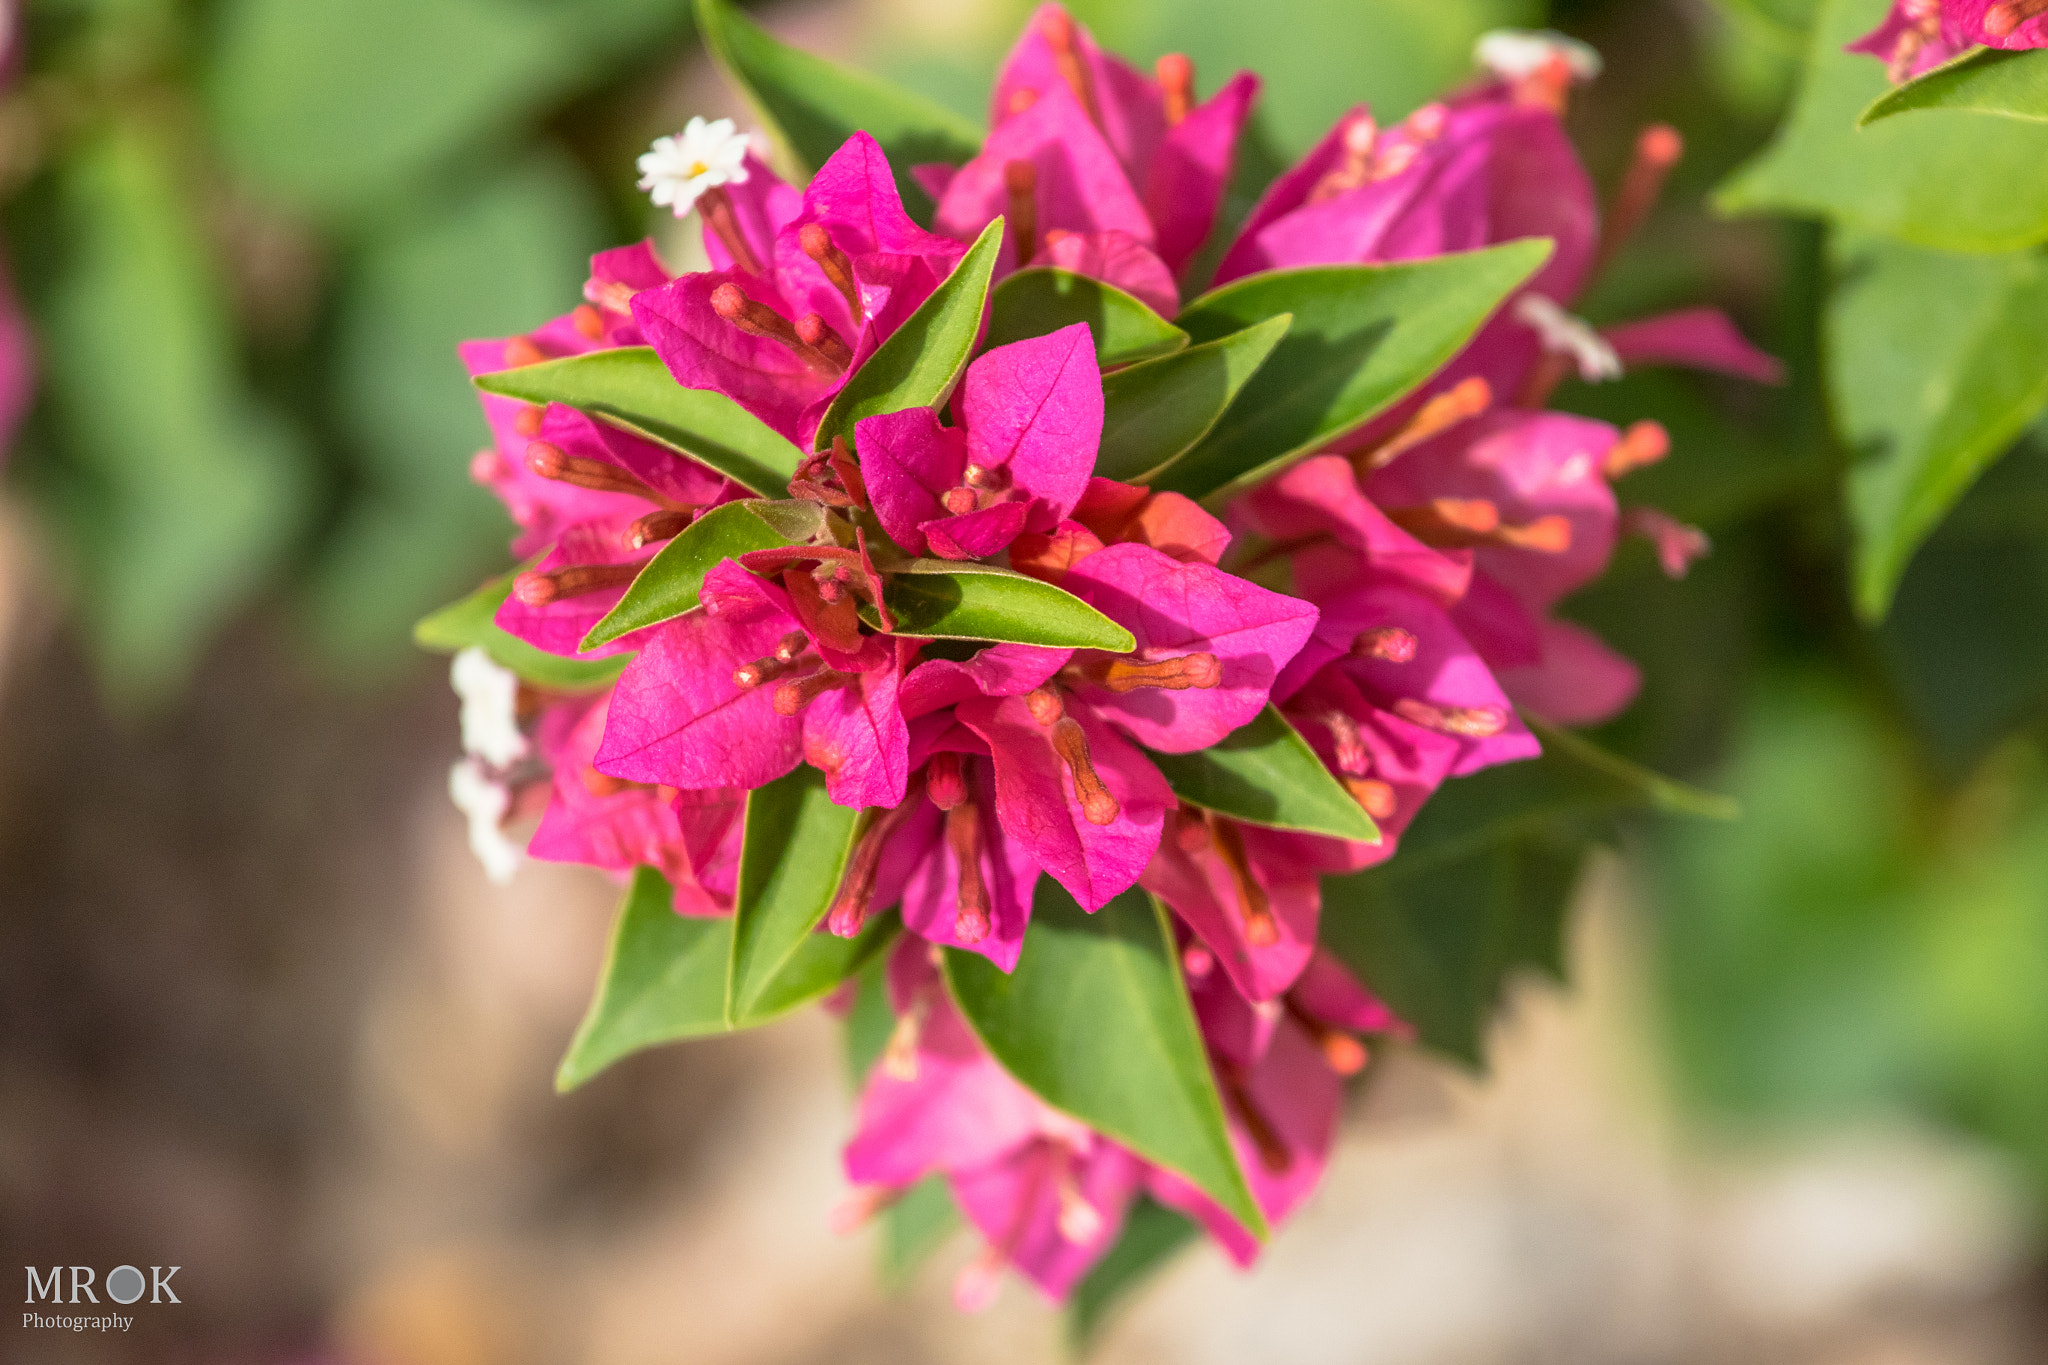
1564	334
490	709
703	156
485	800
1515	54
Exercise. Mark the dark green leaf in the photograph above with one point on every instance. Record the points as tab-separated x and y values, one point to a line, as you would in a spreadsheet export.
922	360
912	1229
663	979
811	106
967	602
1936	363
794	852
1954	182
1041	300
1987	81
1096	1021
1266	774
1363	336
630	388
669	585
1154	413
471	621
1153	1234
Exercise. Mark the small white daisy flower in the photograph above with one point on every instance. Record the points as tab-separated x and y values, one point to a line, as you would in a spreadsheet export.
1564	334
703	156
490	709
485	800
1515	54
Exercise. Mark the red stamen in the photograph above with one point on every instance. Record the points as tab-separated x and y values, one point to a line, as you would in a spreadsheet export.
1448	522
1261	930
1467	722
730	302
716	207
1059	36
1390	644
540	589
1190	829
1645	443
815	242
850	906
587	321
1020	182
487	467
1373	796
550	461
527	421
1273	1154
2000	20
1353	757
1098	805
959	501
791	648
963	837
1176	86
816	333
1548	87
1022	98
521	351
1045	705
945	780
1201	670
1550	535
663	525
1462	402
792	697
1658	148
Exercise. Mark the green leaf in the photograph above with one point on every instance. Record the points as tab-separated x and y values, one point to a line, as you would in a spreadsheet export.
811	106
911	1230
663	979
1363	336
1096	1021
922	360
1950	181
1041	300
1986	81
665	976
794	851
1935	364
177	490
1153	1234
1156	412
1265	774
669	585
957	601
471	621
629	387
869	1023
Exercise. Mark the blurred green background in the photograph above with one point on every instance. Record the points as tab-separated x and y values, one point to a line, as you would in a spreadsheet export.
249	234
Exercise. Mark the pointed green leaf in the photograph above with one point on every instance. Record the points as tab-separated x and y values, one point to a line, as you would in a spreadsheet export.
1265	774
1153	1234
1948	181
1155	413
1935	364
665	977
940	599
630	388
811	106
669	585
471	621
1096	1021
1363	336
1041	300
793	854
922	360
1986	81
912	1229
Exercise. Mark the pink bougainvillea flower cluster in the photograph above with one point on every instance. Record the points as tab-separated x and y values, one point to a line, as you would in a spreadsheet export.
1919	35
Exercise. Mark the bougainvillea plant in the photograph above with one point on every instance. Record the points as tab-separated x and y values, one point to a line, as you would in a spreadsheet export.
1125	689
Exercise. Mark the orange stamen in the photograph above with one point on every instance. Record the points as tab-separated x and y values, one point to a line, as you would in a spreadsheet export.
716	207
815	242
1645	443
550	461
1020	182
1467	722
1059	36
1261	930
1200	670
1658	148
1176	86
1462	402
540	589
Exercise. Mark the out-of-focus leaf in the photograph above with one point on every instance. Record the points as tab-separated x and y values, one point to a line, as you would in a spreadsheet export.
1987	81
473	621
183	488
922	360
811	106
339	106
1096	1021
1156	412
869	1023
1936	363
1953	182
1265	774
793	853
1153	1235
966	602
630	388
911	1230
1039	301
1363	336
492	264
669	585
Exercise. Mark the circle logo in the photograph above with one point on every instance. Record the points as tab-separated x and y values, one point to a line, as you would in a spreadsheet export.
125	1284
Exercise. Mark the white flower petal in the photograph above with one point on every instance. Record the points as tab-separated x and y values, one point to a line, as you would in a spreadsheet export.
1564	334
677	170
1515	54
485	800
490	708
